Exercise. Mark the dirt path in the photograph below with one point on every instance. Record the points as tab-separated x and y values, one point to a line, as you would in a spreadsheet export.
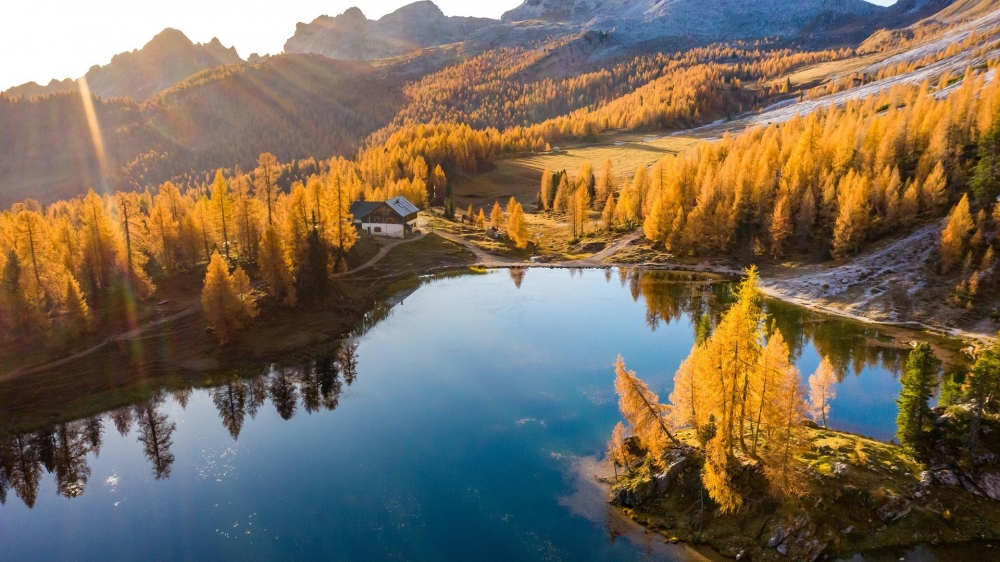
381	254
132	334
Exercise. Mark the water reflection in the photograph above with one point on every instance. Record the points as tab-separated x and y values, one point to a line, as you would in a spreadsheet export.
851	347
63	450
668	298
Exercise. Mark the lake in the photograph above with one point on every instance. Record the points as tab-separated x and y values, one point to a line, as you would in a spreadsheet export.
464	425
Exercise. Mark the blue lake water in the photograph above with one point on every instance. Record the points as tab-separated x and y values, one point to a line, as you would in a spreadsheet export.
463	427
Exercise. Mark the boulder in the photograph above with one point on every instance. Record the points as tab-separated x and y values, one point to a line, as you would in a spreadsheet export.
989	483
632	493
946	477
894	509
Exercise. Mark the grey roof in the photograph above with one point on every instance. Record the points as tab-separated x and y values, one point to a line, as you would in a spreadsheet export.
361	209
402	206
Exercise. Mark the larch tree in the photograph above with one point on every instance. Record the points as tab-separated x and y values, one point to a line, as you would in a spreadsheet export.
517	230
854	215
343	234
222	211
617	450
641	408
496	216
247	220
914	397
585	180
547	190
605	185
781	226
220	302
956	234
787	438
822	389
129	217
265	183
275	269
481	219
563	192
439	180
245	293
608	214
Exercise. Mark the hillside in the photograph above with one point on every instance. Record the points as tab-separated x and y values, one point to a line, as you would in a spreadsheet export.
167	59
295	106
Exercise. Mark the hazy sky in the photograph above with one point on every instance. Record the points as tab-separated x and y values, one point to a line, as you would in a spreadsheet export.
44	39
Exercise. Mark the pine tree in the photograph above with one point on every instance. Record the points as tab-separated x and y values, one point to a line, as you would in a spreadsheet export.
75	309
982	390
219	300
822	389
918	385
986	178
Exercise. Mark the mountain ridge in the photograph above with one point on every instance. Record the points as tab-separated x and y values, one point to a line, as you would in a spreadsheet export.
351	35
166	59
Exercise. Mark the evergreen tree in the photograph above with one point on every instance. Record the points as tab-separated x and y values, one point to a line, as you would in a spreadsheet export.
918	386
986	178
983	389
449	204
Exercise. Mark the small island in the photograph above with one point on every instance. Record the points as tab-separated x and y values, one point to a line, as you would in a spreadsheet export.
738	459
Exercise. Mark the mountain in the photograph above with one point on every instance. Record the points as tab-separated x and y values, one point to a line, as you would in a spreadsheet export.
140	74
353	36
295	106
704	20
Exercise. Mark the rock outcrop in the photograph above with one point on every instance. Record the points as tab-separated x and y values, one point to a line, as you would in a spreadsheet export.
353	36
704	20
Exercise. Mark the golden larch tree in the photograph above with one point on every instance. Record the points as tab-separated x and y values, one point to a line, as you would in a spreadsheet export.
646	417
219	300
822	389
517	230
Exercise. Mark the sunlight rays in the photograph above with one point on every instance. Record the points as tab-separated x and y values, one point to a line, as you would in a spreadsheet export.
95	131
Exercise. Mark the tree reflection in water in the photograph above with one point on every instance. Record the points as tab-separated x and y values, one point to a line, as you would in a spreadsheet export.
63	450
